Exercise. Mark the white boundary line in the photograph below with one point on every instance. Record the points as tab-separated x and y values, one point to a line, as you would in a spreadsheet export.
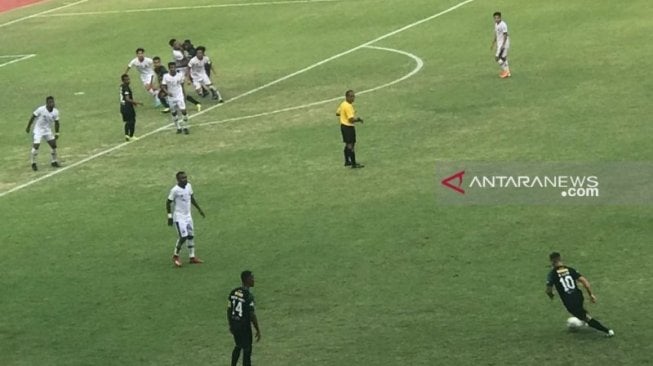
177	8
418	61
41	13
20	58
104	152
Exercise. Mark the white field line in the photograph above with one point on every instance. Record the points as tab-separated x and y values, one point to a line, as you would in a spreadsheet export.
20	58
177	8
114	148
418	66
42	13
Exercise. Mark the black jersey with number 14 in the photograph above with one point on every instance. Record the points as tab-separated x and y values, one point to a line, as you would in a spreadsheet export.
564	279
240	307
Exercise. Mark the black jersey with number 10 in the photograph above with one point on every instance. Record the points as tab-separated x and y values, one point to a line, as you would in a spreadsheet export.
240	307
564	279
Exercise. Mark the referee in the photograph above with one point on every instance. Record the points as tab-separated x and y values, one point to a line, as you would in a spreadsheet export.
127	104
348	117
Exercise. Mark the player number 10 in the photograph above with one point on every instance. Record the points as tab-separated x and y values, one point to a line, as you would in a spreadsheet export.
568	283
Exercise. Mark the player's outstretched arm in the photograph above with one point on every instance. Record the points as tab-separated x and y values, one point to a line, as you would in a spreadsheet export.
169	211
197	206
588	288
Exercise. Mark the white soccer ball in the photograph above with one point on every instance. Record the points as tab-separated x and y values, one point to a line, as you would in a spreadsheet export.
574	323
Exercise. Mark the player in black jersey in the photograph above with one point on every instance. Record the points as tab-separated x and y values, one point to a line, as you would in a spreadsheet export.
240	313
565	279
159	71
127	104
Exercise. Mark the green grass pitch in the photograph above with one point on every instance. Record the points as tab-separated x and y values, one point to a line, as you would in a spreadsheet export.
353	267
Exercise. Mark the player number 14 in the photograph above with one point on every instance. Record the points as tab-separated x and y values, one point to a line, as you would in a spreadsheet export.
237	307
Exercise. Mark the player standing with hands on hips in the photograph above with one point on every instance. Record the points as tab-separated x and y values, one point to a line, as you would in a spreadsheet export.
502	41
182	197
46	117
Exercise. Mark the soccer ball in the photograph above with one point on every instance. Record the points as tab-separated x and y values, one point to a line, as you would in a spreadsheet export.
574	323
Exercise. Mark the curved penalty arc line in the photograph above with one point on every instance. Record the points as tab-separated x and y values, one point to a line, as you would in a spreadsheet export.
419	64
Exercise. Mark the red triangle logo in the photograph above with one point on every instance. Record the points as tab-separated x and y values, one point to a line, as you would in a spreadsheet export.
447	182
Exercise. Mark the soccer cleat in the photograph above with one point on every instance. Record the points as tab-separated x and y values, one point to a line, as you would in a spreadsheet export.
220	101
199	107
165	110
178	130
176	261
610	333
347	163
34	167
186	131
504	75
127	138
195	260
134	138
55	164
357	166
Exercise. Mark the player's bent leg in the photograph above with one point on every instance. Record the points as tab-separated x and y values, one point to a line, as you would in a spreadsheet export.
33	154
53	154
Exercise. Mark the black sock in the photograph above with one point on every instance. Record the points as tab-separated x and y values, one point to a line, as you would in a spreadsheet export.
192	100
132	128
127	128
164	102
596	325
247	356
346	152
235	354
352	157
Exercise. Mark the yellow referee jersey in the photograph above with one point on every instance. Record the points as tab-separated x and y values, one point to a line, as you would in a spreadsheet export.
346	111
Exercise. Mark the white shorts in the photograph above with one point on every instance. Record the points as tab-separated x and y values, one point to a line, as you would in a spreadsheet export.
147	79
503	54
201	79
184	227
177	104
38	135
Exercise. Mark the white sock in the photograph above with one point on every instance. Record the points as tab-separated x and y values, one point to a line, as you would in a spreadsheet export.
177	247
53	155
175	120
216	91
33	155
505	65
191	248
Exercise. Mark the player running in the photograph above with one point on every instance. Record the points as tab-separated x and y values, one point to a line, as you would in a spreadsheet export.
565	279
172	85
198	75
145	67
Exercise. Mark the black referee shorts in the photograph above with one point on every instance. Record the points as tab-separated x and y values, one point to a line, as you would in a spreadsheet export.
574	305
242	336
348	134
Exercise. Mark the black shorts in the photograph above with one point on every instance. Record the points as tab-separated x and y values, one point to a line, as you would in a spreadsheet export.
574	305
348	134
242	336
128	115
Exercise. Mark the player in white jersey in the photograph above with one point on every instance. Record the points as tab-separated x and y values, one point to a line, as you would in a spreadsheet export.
181	61
145	67
502	42
172	85
46	118
181	195
198	75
